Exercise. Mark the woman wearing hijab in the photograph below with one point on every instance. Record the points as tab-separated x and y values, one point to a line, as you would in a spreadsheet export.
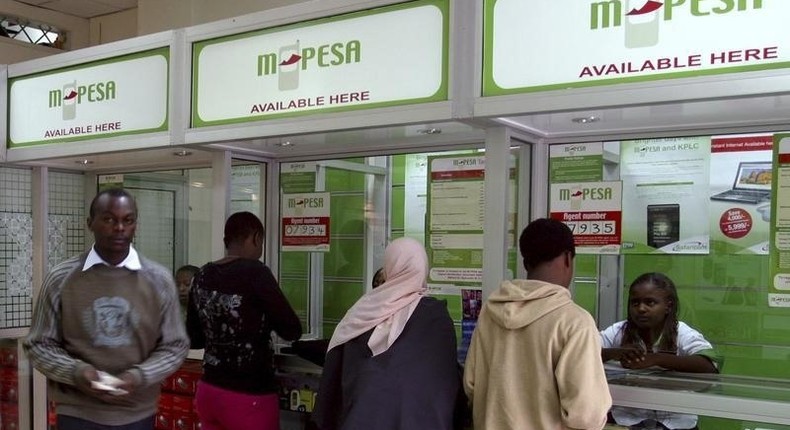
391	363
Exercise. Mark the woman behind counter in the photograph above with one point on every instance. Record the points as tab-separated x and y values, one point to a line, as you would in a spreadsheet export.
234	305
652	336
391	363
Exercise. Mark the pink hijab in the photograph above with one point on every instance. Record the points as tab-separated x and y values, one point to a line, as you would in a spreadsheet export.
388	307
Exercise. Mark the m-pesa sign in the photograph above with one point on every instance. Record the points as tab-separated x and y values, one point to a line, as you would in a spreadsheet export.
112	97
534	45
393	55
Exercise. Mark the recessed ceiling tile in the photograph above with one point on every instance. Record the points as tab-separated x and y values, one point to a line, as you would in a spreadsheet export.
34	2
119	4
80	8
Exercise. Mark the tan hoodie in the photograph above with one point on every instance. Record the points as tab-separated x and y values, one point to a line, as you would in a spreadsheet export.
535	362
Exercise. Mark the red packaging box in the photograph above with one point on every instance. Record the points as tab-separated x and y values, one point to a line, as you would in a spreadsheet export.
8	385
166	402
164	421
182	405
186	381
185	422
8	357
10	416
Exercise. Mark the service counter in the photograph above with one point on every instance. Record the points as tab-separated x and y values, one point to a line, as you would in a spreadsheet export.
762	400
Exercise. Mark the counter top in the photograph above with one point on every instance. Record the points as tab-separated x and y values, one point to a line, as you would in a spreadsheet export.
726	396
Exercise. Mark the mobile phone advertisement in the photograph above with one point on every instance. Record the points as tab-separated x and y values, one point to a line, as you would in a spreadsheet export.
662	182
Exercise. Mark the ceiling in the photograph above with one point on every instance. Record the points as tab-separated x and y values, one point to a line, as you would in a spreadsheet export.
768	113
84	8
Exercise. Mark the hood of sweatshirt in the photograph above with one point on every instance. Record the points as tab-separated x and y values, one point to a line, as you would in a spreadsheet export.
518	303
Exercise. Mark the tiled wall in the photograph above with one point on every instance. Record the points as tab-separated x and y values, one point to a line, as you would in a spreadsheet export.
16	247
67	216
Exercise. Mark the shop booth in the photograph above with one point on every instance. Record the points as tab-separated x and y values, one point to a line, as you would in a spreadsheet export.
345	124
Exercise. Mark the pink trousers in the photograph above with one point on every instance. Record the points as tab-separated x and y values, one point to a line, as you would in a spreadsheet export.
221	409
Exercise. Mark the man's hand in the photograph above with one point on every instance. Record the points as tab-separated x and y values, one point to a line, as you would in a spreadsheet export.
90	381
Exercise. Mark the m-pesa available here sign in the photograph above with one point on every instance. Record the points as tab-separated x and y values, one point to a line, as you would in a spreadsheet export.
534	45
387	56
121	95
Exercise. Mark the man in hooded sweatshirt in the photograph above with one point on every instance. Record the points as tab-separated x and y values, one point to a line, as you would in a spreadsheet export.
535	358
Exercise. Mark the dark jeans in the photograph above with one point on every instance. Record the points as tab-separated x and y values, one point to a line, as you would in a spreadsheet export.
66	422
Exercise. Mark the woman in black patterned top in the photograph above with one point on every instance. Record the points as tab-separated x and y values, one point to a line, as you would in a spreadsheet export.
234	305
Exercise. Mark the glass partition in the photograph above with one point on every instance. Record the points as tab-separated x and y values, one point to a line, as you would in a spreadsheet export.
374	200
174	214
696	209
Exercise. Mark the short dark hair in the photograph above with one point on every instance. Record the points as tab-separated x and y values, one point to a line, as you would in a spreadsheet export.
242	225
192	270
543	240
114	193
378	278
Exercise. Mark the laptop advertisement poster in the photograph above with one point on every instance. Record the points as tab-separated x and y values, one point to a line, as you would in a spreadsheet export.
740	194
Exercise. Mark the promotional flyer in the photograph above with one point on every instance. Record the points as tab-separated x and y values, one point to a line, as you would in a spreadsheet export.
576	162
780	224
662	182
740	194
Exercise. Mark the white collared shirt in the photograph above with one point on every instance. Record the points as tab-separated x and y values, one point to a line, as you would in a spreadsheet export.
131	262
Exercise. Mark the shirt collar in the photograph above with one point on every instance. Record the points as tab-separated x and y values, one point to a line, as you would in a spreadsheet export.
131	262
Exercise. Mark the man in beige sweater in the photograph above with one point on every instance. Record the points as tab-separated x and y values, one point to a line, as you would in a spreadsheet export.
535	358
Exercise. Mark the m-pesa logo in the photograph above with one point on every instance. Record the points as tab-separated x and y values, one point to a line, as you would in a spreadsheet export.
595	193
292	58
641	17
72	94
306	202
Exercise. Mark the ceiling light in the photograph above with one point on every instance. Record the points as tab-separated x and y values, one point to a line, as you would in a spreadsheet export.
585	119
84	162
432	130
182	153
284	144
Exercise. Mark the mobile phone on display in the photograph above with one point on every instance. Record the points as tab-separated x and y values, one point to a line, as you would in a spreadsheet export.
663	224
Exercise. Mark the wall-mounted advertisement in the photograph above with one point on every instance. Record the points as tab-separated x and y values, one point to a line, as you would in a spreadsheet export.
305	222
780	224
100	99
298	177
618	41
455	218
593	211
576	162
740	194
456	213
388	56
662	182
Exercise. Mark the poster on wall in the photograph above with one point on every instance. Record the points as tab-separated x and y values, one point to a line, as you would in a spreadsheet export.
662	182
305	222
780	224
740	194
298	177
576	162
456	209
107	182
593	211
